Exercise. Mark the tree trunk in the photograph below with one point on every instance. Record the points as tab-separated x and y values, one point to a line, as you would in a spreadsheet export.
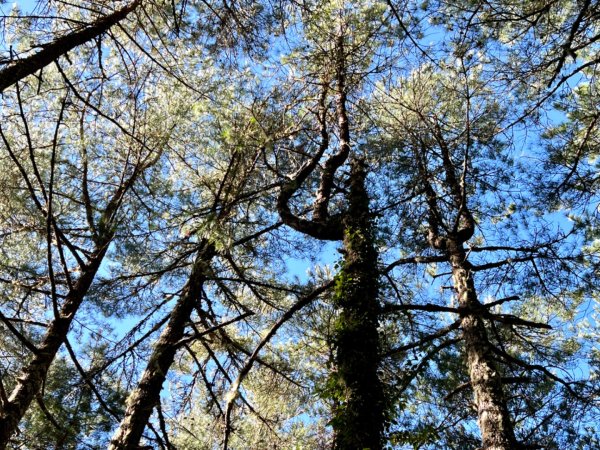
496	428
358	420
33	375
142	400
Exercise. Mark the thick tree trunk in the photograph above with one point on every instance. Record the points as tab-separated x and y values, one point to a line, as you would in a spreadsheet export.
496	428
33	375
359	417
22	68
142	400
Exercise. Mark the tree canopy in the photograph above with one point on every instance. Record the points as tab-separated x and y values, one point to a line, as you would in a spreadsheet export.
280	224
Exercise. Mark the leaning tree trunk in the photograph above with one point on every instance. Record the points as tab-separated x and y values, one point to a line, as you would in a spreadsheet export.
496	427
33	375
21	68
359	417
141	401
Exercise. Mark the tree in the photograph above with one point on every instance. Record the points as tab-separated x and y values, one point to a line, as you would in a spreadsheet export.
355	388
449	139
100	221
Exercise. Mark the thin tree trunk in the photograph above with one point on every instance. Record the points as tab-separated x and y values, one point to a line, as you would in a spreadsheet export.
21	68
359	417
143	400
33	375
494	420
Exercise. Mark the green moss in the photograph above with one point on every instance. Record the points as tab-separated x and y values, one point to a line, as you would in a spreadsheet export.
359	414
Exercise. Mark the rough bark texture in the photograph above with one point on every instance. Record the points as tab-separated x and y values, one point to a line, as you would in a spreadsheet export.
497	432
358	420
146	396
486	381
33	374
22	68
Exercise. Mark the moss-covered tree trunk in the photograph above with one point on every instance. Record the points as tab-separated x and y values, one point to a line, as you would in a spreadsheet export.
358	420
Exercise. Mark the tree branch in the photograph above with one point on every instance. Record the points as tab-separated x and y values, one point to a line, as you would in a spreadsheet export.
52	51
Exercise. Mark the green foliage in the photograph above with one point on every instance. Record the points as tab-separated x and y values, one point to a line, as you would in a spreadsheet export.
69	415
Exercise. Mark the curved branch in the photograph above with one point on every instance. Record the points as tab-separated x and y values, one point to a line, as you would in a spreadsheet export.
333	163
330	229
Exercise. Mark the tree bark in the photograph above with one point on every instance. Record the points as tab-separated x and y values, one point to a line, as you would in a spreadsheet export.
33	375
497	432
22	68
143	400
359	417
494	420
